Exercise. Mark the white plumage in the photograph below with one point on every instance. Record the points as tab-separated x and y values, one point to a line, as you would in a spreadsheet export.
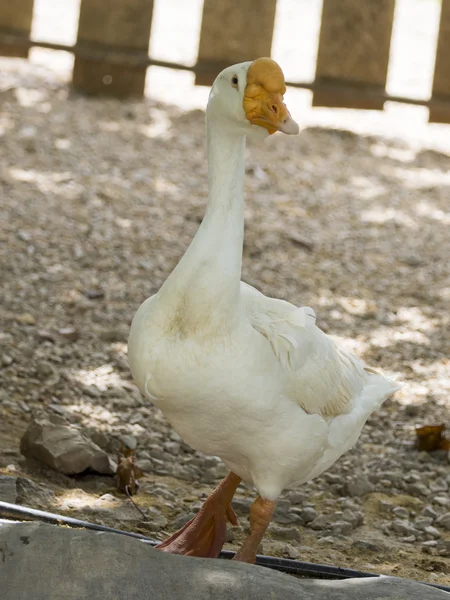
241	376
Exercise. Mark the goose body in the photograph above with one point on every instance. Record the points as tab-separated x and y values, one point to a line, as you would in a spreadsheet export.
248	378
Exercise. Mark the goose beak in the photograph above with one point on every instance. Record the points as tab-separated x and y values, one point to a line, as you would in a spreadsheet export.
263	98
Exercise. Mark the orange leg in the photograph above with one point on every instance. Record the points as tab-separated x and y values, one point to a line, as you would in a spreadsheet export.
261	512
205	534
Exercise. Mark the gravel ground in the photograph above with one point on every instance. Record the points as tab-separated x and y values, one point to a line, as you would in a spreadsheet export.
99	199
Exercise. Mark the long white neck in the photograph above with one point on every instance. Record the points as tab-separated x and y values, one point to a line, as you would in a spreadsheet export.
203	289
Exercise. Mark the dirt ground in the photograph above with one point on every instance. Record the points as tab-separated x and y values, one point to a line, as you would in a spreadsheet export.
99	199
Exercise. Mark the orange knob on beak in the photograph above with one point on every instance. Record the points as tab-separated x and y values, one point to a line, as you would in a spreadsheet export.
263	97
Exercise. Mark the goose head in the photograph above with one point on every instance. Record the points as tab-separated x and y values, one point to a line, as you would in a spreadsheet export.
248	97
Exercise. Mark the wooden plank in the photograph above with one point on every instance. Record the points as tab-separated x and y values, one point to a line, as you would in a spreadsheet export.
112	25
15	18
233	31
354	45
441	80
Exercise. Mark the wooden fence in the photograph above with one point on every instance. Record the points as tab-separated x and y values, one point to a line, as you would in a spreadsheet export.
111	52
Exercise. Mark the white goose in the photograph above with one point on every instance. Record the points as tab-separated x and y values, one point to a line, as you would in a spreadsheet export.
238	375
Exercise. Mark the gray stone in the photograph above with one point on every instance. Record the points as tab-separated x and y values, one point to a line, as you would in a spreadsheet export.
8	491
291	551
432	532
296	497
51	440
428	511
400	512
368	545
32	493
403	528
422	523
354	517
182	520
322	522
308	514
342	527
443	548
444	521
360	486
80	564
284	533
417	489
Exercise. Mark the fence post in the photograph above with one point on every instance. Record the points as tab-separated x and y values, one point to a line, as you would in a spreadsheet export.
15	18
354	44
441	81
112	25
233	31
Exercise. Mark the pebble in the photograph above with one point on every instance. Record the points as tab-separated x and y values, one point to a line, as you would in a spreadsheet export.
444	521
296	497
308	514
6	360
181	520
403	527
371	546
432	532
356	518
145	465
443	548
327	540
342	527
442	500
284	533
321	522
291	551
423	522
360	486
129	441
428	511
401	512
417	489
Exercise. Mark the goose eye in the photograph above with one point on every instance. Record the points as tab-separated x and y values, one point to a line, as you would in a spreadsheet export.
235	81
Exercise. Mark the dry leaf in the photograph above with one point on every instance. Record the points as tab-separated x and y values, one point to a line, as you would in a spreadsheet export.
431	437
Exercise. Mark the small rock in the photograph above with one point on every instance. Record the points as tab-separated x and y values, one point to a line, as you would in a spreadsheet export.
51	440
430	543
403	527
241	506
69	333
284	533
291	551
428	511
181	520
442	500
145	465
33	494
439	485
444	521
8	491
443	548
356	518
94	293
326	540
417	489
432	532
360	486
296	497
129	441
321	522
422	523
26	319
342	527
410	539
308	514
366	545
401	513
6	360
